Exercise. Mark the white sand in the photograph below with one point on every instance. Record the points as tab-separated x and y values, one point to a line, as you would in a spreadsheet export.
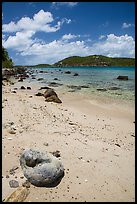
85	131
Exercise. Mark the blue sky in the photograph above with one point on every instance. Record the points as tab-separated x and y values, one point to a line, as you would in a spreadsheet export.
46	32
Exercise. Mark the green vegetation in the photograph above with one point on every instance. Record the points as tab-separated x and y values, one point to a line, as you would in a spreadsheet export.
6	60
95	60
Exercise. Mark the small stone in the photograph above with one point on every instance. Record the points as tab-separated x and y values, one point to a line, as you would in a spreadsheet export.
11	131
14	184
9	138
56	153
46	144
22	87
26	184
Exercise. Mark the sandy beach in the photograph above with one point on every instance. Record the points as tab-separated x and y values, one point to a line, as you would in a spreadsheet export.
95	138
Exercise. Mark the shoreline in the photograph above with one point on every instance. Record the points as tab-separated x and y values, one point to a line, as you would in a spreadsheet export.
85	131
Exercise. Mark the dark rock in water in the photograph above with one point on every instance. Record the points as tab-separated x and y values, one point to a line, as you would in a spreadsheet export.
54	84
51	96
44	87
76	74
113	88
28	87
22	87
122	77
20	80
39	79
74	87
39	94
56	79
103	89
67	72
41	169
14	184
84	86
33	78
72	90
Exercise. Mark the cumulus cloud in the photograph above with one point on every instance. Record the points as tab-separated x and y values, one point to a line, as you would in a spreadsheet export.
127	25
34	51
115	46
20	41
41	21
69	36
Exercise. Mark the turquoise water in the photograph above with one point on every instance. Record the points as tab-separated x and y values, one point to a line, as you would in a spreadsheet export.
95	78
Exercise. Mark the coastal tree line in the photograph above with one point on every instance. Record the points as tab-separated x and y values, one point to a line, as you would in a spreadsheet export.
6	60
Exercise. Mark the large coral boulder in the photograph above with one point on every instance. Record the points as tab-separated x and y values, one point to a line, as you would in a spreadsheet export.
41	169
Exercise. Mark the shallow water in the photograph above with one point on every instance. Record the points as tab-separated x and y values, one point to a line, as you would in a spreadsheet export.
102	78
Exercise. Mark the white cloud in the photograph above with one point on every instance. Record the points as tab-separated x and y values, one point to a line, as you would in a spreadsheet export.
115	46
69	36
22	40
35	51
101	37
40	22
127	25
69	4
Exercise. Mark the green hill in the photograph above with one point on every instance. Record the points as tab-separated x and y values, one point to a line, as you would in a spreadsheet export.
6	60
95	60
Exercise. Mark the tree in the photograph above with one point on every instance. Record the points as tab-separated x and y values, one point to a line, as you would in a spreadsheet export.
6	60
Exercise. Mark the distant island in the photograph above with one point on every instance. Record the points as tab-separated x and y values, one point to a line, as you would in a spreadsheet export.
88	61
74	61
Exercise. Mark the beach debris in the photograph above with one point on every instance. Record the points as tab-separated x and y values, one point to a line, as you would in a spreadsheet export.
20	80
28	87
26	184
13	92
9	138
41	169
39	94
11	131
51	96
19	195
117	144
56	153
22	87
12	171
122	77
13	183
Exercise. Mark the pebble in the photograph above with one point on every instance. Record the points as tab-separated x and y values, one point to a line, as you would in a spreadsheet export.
9	138
14	184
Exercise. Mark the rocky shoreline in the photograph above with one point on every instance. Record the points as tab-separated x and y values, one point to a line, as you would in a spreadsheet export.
95	142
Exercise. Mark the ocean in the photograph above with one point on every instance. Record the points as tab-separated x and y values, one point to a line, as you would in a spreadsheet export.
100	81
